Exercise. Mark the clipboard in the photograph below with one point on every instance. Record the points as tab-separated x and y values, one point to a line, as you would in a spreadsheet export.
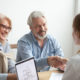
26	69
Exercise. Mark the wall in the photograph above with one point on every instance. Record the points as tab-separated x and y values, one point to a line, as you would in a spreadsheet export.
59	14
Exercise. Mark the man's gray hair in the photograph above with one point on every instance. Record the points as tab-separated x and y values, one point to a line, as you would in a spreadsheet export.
34	14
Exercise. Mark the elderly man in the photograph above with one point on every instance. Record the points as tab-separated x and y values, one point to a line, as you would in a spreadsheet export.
38	44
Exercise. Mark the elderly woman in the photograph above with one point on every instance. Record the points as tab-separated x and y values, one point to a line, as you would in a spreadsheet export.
5	28
73	66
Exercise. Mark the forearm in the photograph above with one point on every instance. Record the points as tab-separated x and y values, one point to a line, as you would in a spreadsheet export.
3	76
12	76
41	62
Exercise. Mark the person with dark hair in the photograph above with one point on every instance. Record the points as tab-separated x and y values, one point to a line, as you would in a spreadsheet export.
72	71
7	65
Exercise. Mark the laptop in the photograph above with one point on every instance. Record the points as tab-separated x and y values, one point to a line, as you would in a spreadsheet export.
26	69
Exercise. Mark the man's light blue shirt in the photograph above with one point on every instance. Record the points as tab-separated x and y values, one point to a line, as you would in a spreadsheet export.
28	47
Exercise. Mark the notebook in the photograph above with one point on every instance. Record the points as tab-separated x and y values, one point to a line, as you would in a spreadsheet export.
26	70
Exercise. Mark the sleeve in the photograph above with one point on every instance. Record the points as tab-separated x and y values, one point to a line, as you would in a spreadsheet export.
11	66
25	51
41	63
7	48
3	76
69	73
57	48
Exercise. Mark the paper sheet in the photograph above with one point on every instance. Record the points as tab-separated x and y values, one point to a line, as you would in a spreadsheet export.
27	70
56	76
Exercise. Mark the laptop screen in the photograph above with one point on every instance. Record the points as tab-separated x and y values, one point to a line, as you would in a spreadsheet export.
26	70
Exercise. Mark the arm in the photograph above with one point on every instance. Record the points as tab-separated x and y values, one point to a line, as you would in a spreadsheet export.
59	52
25	51
3	76
11	77
57	48
69	73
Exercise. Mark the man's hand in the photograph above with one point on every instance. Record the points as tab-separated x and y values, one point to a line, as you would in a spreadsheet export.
56	61
62	67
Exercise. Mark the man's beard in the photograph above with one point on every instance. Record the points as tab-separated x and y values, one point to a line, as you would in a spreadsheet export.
41	37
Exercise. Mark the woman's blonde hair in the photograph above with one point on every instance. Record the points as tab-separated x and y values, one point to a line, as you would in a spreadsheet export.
3	17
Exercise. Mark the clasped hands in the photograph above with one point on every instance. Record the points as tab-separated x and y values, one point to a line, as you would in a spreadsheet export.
57	62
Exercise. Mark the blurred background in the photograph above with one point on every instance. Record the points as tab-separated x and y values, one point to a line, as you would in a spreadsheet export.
59	14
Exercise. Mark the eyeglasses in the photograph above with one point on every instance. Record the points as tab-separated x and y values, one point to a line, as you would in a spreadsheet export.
5	27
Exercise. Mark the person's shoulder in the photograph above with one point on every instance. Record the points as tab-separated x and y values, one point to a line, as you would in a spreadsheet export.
51	37
74	60
75	57
25	37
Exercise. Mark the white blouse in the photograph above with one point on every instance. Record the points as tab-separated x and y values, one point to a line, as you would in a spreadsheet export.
72	71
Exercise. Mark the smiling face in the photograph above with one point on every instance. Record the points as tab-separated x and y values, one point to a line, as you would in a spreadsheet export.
5	28
39	27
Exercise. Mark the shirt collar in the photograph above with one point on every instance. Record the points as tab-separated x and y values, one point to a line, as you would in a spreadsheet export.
33	36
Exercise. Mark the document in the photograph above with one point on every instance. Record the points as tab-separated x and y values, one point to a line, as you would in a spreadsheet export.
26	70
56	76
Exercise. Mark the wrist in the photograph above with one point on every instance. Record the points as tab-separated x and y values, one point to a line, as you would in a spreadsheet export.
12	76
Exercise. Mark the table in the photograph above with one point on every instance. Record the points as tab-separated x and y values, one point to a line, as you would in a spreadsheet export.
46	75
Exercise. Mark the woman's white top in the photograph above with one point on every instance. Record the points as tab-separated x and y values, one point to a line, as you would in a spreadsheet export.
72	71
